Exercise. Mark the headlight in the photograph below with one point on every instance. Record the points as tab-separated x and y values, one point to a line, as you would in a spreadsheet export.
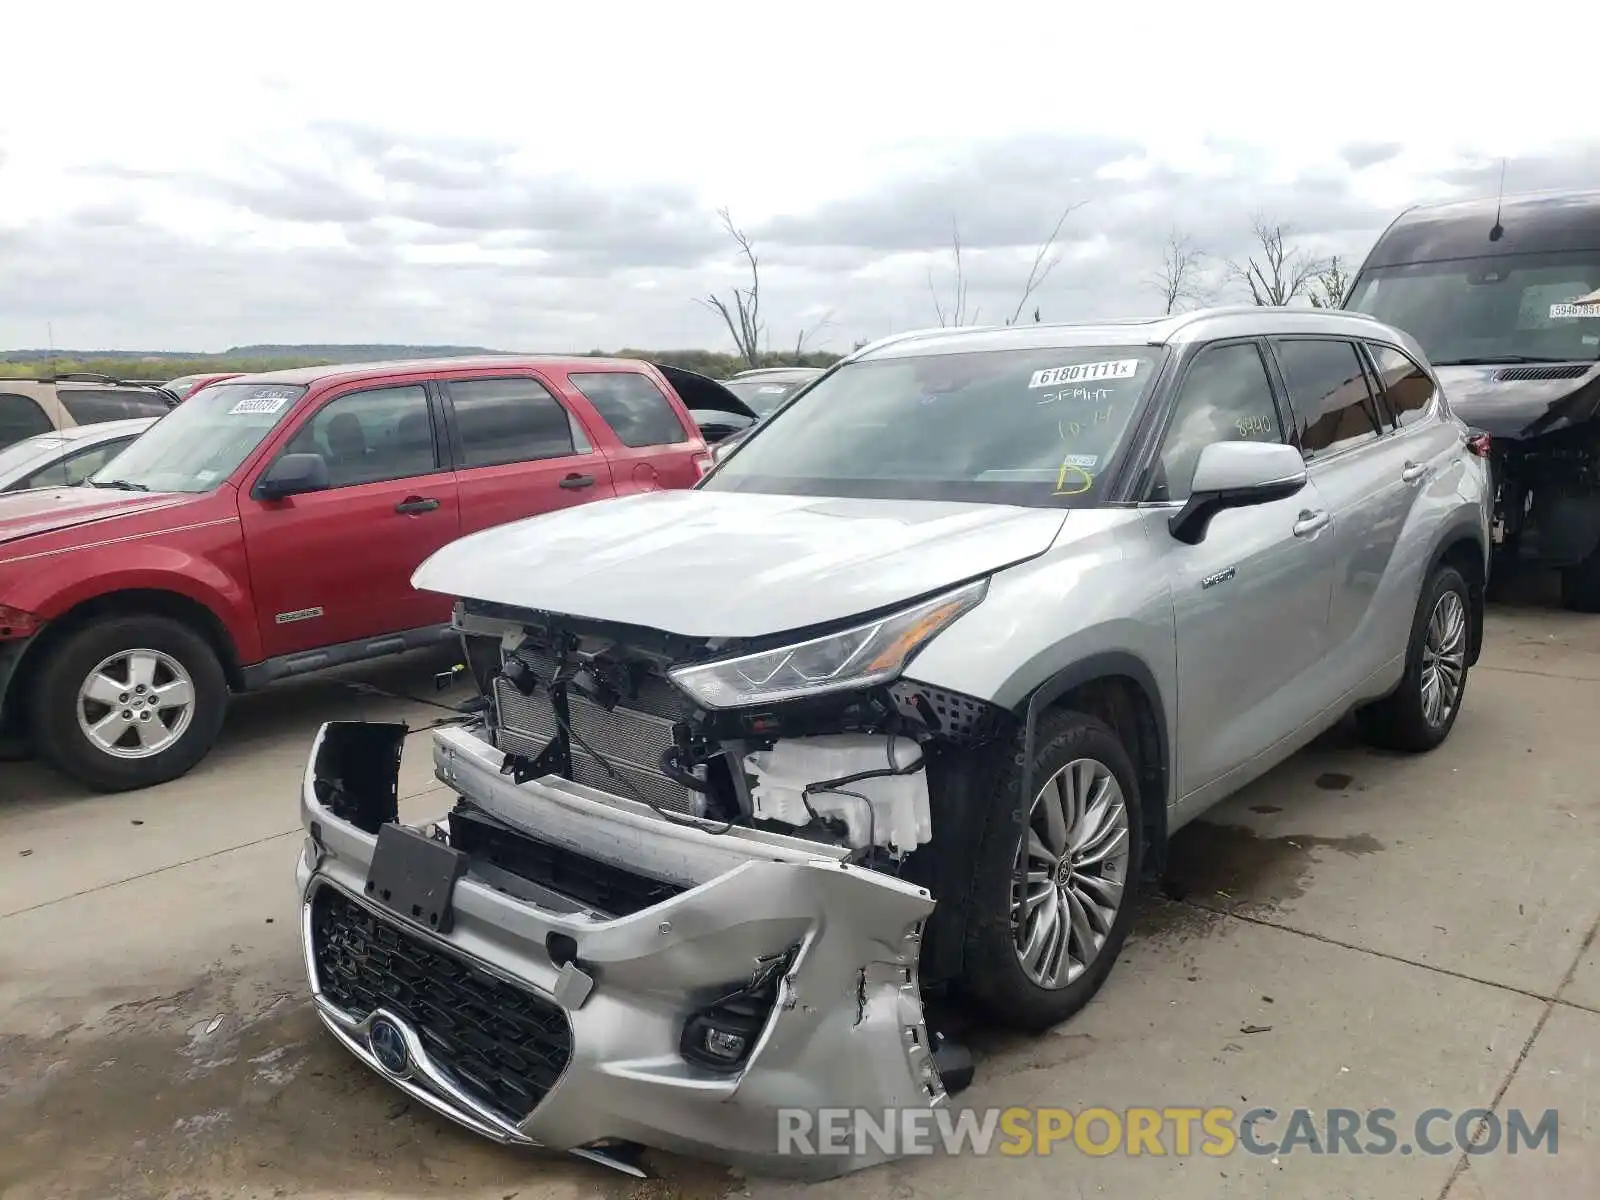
854	658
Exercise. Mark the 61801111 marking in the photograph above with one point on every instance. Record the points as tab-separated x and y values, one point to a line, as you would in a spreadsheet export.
1122	368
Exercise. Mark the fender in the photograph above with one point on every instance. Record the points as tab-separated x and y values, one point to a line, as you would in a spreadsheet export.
1085	670
68	580
1463	530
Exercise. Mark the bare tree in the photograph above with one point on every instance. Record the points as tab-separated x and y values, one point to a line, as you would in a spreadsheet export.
741	311
1281	272
956	312
807	333
1045	259
1330	285
1179	278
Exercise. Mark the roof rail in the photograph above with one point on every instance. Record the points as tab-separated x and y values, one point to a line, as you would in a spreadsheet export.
908	335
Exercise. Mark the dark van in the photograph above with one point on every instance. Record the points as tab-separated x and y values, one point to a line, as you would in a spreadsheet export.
1504	297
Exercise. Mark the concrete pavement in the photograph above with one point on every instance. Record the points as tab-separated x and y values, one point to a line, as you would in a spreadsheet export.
1403	933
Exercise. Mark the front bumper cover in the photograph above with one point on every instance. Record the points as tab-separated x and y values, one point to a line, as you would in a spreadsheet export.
846	1030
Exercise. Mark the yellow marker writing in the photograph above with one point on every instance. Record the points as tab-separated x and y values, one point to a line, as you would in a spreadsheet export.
1073	480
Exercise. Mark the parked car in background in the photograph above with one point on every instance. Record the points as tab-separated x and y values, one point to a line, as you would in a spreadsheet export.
67	457
33	406
183	386
763	389
269	526
1502	294
906	697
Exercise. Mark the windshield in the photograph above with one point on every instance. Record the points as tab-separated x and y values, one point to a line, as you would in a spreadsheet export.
1499	308
1028	427
762	396
202	441
22	458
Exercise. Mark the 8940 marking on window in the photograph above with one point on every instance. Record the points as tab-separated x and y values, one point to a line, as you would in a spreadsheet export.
1122	368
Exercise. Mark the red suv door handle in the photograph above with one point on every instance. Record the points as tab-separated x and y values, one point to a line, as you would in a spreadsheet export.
416	504
577	481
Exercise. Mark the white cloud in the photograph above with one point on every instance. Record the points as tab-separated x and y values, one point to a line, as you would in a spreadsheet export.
548	175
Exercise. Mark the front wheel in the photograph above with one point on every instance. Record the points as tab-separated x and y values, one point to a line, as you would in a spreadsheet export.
1053	896
129	702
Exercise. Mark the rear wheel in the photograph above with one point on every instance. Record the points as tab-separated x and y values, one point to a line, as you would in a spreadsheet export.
1053	897
1419	714
128	702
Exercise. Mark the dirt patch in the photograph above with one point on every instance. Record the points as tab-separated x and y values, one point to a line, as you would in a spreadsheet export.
1230	868
193	1095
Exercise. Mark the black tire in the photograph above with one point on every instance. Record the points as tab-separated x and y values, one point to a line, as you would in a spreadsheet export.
1580	585
62	742
993	975
1399	721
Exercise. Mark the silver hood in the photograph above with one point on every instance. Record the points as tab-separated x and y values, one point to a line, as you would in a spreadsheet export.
734	565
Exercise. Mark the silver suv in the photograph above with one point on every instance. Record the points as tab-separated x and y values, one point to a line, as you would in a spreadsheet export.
903	700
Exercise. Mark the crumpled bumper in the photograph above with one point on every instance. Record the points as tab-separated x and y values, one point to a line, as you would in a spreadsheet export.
609	996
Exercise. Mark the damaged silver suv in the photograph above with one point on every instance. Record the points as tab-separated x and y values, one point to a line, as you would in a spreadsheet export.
902	701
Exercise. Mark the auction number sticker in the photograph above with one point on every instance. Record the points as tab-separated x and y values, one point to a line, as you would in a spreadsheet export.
1122	368
262	401
1087	462
1568	312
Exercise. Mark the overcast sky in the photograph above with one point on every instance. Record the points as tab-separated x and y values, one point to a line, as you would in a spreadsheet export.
176	178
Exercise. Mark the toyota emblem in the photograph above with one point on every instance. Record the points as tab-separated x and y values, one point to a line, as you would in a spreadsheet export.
388	1045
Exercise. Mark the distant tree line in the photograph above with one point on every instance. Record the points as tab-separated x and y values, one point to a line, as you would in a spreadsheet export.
159	369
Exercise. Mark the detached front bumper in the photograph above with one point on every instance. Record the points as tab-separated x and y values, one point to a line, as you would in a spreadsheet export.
533	1018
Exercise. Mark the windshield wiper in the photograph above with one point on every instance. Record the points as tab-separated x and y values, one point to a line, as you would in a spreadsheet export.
1500	360
121	485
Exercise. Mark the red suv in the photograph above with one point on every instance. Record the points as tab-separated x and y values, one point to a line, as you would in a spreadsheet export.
269	527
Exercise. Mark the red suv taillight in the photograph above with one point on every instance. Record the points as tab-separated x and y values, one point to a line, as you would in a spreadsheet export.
14	623
1480	444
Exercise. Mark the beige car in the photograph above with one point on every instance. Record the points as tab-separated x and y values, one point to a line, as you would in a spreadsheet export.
33	406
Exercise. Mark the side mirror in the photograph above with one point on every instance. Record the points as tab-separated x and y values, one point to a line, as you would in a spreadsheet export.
1236	475
292	475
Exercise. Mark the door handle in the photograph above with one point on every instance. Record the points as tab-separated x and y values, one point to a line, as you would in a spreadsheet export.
416	504
1413	472
572	482
1310	522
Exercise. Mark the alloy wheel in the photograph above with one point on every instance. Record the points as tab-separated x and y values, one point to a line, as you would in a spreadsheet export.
1444	659
136	704
1071	872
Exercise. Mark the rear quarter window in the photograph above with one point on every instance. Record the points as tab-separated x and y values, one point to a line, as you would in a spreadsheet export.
92	407
633	406
20	418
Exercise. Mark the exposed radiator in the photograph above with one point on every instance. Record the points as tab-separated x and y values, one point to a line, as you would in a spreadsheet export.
632	736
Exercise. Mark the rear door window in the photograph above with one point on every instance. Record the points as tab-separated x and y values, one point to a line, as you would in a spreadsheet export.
1334	408
20	418
633	406
88	407
518	419
1406	386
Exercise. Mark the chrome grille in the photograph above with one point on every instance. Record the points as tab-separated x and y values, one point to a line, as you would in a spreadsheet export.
632	738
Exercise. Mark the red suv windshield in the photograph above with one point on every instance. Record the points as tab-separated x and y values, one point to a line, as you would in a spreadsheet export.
202	441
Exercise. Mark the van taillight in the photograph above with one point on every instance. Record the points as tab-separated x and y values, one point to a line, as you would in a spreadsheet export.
1479	444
